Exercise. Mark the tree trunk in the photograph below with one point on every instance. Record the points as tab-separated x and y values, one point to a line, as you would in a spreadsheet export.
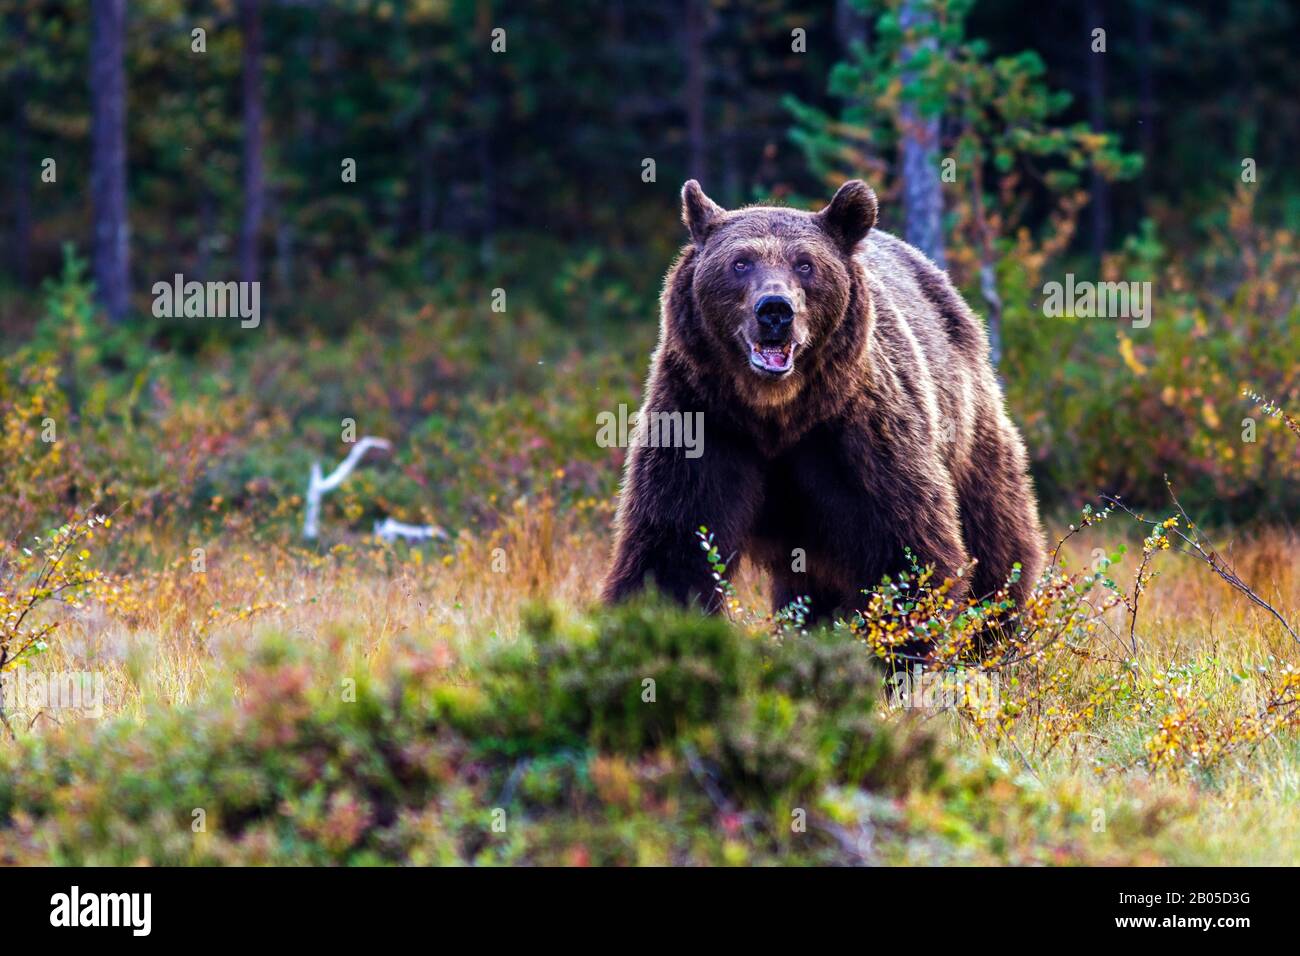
1100	218
1146	92
110	244
426	170
919	157
694	89
250	25
23	177
486	106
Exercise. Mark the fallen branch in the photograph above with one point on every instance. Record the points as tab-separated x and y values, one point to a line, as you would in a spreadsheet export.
391	529
319	485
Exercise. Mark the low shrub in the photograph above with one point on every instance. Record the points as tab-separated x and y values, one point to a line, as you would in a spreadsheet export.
551	748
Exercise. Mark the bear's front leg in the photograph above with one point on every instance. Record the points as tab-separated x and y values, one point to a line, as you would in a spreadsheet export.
666	497
859	501
925	519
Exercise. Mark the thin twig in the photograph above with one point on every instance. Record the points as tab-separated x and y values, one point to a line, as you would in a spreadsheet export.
1204	551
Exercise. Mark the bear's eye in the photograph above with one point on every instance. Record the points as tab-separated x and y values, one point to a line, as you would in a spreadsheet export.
741	265
803	268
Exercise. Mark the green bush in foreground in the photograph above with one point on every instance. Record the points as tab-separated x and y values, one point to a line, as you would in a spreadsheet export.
633	735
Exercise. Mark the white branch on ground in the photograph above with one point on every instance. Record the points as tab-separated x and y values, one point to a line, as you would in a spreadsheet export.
391	529
319	485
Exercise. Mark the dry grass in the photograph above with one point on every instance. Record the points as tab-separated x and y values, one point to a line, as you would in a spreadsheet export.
168	636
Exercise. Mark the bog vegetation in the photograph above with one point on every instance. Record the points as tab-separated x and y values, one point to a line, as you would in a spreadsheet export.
265	700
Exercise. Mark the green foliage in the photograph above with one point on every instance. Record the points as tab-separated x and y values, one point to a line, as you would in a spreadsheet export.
488	409
1110	407
454	142
553	735
587	680
1000	115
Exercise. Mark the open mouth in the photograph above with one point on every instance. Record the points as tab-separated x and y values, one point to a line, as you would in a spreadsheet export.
775	360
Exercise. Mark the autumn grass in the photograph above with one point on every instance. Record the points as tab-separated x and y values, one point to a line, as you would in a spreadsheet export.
174	636
1193	633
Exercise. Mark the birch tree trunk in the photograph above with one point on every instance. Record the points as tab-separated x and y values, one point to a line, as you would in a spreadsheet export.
919	157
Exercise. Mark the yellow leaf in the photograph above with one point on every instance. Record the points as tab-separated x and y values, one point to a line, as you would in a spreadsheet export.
1130	357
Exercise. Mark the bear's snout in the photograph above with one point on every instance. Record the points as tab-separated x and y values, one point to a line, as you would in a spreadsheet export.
775	315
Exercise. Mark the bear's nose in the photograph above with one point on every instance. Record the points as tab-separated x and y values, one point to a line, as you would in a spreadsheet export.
775	313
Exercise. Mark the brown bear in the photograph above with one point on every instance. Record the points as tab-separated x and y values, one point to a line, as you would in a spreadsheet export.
849	412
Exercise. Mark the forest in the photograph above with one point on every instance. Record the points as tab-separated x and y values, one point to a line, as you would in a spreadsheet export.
315	312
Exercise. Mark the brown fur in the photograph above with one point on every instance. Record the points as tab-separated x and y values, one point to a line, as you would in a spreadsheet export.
889	431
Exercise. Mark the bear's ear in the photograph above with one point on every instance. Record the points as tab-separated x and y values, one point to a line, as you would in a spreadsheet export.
850	215
699	212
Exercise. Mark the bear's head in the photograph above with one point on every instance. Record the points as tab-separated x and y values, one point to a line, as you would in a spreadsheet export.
770	285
